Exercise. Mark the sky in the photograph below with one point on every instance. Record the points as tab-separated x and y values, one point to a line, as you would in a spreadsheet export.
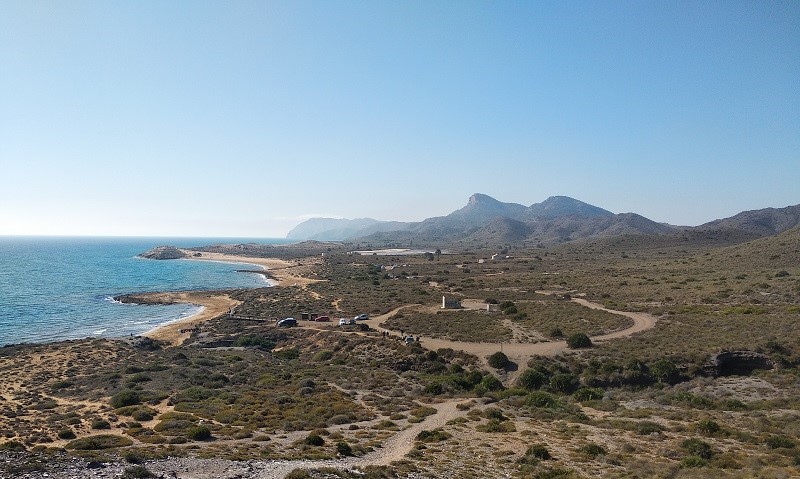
242	119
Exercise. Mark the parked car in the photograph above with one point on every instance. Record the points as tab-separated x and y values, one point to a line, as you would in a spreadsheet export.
362	317
322	319
344	322
287	323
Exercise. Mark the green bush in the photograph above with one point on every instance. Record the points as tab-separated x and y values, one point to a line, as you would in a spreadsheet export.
498	360
579	340
541	399
693	461
344	449
101	424
137	472
66	434
697	447
434	388
437	435
664	371
708	426
12	446
588	394
145	414
314	440
496	425
563	382
775	442
198	433
323	356
531	379
132	457
645	428
254	341
101	441
539	451
125	398
491	383
593	449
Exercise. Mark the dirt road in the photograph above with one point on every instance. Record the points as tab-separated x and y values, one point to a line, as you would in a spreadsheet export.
520	353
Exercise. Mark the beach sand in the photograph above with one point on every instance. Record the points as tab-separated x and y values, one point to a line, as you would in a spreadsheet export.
285	273
281	273
214	305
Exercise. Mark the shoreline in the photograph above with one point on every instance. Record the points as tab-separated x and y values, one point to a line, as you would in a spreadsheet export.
276	272
279	271
178	330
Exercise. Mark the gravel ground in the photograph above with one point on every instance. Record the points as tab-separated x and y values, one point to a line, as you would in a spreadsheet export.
64	467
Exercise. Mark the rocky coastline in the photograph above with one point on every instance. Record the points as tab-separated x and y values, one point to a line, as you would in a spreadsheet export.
164	252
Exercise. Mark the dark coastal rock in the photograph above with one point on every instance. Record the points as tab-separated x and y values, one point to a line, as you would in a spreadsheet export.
164	252
729	363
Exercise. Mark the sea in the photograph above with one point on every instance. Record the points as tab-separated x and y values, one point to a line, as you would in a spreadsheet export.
60	288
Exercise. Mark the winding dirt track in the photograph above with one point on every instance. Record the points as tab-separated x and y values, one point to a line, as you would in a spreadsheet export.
520	353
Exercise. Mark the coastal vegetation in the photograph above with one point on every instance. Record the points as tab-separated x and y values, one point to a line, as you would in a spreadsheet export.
709	390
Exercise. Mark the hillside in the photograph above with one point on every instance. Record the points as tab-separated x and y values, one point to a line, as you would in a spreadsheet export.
487	221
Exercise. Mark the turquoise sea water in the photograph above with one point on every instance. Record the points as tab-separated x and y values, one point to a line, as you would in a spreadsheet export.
61	288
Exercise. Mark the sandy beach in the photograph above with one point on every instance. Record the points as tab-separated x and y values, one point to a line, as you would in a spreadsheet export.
284	273
280	272
175	332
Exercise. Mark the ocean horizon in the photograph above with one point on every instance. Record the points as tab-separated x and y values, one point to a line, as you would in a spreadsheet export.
55	288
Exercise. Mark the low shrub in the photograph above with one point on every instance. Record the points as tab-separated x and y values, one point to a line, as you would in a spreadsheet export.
693	461
498	360
12	446
593	449
125	398
101	424
101	441
707	426
198	433
697	447
578	341
344	449
137	472
531	379
437	435
314	440
588	394
775	442
496	425
539	451
541	399
66	434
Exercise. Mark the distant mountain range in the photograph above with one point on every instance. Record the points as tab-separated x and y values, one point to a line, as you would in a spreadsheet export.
558	219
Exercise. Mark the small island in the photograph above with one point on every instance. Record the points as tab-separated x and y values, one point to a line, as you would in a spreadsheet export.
164	252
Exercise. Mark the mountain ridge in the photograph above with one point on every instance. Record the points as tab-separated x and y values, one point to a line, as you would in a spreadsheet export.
557	219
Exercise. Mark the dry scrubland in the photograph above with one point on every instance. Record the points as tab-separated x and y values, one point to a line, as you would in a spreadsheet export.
645	406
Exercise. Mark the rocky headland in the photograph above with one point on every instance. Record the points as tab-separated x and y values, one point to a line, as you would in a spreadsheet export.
164	252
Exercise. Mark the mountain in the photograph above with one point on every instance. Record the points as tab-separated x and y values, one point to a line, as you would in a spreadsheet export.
560	206
502	230
479	211
763	222
337	229
557	219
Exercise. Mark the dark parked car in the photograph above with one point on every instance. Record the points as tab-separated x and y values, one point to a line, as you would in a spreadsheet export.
322	319
287	323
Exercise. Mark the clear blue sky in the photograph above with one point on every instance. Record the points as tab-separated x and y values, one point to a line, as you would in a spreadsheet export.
244	118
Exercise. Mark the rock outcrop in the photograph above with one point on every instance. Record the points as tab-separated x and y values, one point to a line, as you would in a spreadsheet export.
164	252
742	363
